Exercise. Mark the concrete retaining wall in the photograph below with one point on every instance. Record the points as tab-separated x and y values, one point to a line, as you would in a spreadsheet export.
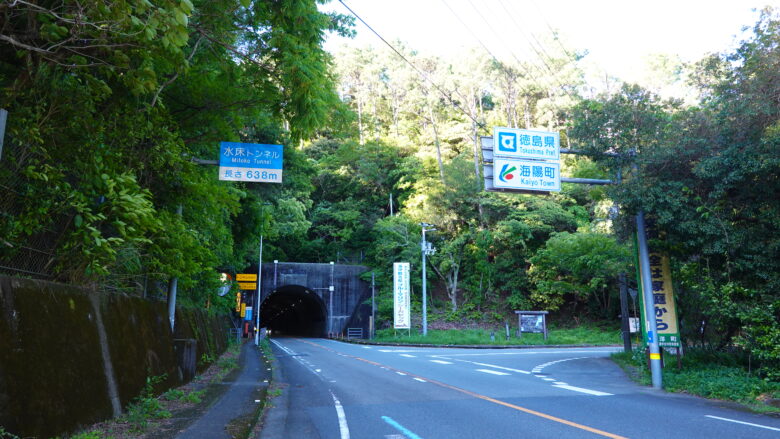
70	357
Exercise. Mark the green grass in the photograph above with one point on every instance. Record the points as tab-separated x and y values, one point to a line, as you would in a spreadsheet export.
707	374
587	335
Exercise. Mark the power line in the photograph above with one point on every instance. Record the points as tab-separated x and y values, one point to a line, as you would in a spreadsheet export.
420	72
555	34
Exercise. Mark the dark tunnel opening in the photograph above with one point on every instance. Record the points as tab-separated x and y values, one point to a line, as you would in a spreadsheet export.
294	310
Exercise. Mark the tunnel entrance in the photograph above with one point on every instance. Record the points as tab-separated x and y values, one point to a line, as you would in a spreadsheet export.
294	310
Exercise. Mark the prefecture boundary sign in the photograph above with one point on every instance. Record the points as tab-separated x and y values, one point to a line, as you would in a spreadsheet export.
526	144
253	162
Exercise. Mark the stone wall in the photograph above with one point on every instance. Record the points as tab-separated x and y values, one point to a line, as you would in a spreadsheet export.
70	357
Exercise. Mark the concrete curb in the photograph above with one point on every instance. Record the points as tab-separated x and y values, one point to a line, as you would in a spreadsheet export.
273	422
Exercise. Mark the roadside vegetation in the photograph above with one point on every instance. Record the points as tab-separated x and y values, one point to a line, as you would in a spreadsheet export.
710	374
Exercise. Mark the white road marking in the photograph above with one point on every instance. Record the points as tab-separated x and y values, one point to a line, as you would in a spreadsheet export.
494	372
408	356
540	376
560	351
397	351
400	373
318	370
366	347
496	367
743	422
343	428
560	383
440	362
580	389
420	380
549	379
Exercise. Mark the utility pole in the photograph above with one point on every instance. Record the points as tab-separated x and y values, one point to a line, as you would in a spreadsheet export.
647	296
373	307
425	249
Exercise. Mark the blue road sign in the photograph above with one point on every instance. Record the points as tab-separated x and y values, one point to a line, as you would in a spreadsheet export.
254	162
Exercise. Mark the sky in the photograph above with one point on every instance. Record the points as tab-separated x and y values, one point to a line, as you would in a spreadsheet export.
617	34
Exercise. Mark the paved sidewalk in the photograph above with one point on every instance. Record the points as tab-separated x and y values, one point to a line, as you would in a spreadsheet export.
238	401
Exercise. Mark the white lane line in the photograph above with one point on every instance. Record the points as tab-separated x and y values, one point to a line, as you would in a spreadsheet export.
540	376
420	380
400	373
343	428
408	356
493	372
366	347
742	422
580	389
441	362
397	351
548	379
405	431
560	383
494	366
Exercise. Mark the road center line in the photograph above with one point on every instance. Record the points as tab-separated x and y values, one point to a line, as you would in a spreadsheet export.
485	398
405	431
408	356
441	362
742	422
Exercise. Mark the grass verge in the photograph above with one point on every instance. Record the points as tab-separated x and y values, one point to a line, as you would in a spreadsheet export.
708	374
581	335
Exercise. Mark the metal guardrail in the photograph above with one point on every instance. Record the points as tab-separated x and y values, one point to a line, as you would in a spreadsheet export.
354	333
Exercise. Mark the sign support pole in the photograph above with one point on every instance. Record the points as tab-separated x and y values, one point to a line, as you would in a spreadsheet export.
259	289
647	295
624	327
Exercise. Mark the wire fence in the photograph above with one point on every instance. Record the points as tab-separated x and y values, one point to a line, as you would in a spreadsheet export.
34	226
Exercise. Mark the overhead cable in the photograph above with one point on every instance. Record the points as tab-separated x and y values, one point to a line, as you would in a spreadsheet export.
420	72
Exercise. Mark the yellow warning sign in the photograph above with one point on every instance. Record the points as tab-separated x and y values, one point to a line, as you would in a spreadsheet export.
249	277
247	286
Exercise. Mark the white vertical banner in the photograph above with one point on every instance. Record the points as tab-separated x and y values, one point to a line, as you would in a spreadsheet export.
401	296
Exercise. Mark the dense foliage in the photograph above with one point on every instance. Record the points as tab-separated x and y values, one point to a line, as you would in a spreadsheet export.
110	102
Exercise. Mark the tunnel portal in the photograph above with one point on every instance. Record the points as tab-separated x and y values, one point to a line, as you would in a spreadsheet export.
294	310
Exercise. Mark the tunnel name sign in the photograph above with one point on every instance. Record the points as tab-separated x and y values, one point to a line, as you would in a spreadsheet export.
253	162
401	296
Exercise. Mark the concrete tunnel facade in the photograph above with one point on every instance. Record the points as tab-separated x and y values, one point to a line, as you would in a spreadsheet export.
313	300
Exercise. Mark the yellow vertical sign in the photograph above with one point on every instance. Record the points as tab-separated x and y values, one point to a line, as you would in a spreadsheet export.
238	301
243	309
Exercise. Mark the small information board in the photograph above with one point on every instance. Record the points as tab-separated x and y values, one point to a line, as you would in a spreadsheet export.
246	277
532	322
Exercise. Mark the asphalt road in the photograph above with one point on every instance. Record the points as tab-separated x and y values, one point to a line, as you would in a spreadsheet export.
339	390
